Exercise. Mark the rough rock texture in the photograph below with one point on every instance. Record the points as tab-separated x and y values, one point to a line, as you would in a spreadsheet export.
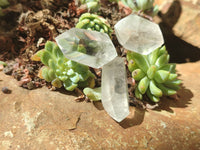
43	119
183	16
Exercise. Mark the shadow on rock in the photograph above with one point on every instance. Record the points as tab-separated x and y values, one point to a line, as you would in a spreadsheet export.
179	50
136	116
98	105
166	103
171	17
184	99
64	91
133	119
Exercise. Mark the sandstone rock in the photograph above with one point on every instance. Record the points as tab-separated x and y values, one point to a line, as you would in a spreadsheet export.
183	17
43	119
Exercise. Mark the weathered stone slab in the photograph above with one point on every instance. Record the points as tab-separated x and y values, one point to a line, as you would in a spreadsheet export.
44	119
184	18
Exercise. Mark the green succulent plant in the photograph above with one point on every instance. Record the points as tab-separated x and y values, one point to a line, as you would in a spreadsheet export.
145	6
153	73
92	5
61	71
94	22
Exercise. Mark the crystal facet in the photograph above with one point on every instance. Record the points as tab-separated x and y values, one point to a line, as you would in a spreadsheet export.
138	34
114	89
90	48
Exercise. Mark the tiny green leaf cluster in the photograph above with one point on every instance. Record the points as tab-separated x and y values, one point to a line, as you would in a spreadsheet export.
145	6
95	23
61	71
92	5
154	75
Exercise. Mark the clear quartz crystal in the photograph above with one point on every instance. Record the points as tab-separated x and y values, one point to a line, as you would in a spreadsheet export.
114	89
138	34
90	48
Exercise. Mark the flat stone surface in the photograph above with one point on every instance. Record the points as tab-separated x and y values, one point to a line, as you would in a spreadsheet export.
183	17
43	119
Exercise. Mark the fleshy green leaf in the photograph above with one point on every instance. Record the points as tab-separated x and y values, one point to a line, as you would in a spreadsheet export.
143	85
138	74
45	57
49	46
161	76
93	94
141	61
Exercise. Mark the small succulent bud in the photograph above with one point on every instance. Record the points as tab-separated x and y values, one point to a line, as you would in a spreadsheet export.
92	5
60	71
155	77
93	94
94	22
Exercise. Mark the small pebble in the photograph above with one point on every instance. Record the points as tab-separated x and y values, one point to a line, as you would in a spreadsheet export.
8	70
6	90
30	85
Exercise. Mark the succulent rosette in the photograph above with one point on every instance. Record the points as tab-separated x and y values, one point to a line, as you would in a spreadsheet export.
154	75
145	6
61	71
94	22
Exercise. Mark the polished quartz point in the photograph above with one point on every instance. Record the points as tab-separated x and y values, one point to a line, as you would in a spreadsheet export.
137	34
87	47
114	92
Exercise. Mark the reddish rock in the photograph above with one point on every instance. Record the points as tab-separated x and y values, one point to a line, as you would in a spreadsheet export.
44	119
183	16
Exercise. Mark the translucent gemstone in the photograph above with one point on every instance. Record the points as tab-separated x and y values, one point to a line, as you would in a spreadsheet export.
138	34
114	89
90	48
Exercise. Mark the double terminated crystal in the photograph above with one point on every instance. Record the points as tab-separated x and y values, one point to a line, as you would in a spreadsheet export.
114	89
138	34
95	49
90	48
